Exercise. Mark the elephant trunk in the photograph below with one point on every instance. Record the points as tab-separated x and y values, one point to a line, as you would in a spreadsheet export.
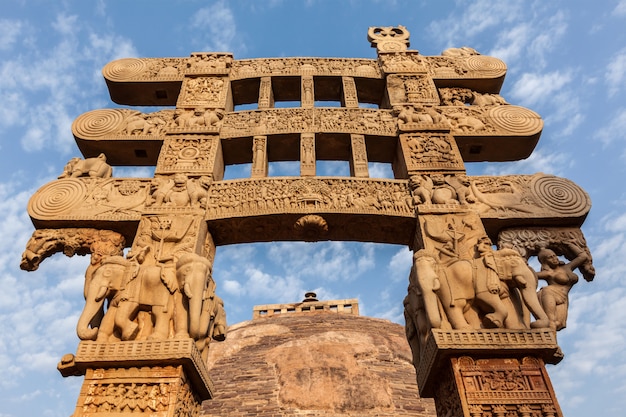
93	306
429	284
196	289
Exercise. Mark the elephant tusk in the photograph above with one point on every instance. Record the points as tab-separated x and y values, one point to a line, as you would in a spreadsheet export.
436	284
187	289
102	292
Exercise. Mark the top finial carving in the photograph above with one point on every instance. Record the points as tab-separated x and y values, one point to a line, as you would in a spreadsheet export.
389	39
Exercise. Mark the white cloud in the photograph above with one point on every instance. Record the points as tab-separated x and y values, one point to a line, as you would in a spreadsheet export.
263	285
400	264
615	75
615	130
620	9
540	160
219	20
65	25
548	34
511	43
533	88
46	89
232	287
10	32
476	18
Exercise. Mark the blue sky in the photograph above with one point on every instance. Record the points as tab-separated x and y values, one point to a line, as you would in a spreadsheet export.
566	61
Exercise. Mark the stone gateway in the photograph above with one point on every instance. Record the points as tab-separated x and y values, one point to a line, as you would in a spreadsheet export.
478	330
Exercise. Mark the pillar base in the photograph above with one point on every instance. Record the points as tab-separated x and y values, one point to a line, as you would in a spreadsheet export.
490	372
156	378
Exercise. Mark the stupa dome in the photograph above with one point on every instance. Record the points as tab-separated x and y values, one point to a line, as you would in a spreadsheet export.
319	362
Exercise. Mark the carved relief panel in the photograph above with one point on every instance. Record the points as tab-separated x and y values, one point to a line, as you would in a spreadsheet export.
418	88
208	92
431	152
503	387
192	154
403	62
209	63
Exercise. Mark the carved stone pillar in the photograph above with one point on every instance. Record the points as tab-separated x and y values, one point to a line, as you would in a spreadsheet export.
473	382
350	99
308	94
266	95
476	350
259	157
307	154
358	162
165	378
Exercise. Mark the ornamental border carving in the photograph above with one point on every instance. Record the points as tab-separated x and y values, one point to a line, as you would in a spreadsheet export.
175	69
487	121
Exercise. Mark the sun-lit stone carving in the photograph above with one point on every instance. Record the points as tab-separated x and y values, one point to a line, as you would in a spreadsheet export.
473	311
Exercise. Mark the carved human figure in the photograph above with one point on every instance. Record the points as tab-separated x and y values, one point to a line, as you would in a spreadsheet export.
307	87
561	278
149	287
487	284
307	151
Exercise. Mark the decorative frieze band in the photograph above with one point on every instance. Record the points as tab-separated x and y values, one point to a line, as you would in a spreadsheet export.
124	124
521	197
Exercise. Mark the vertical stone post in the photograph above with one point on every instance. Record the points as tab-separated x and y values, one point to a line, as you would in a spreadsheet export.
307	154
259	157
308	93
358	162
349	98
266	95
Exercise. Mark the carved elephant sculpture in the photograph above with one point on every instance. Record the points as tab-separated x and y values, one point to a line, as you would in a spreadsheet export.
515	272
89	167
460	285
105	285
130	287
201	314
458	288
149	288
193	273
